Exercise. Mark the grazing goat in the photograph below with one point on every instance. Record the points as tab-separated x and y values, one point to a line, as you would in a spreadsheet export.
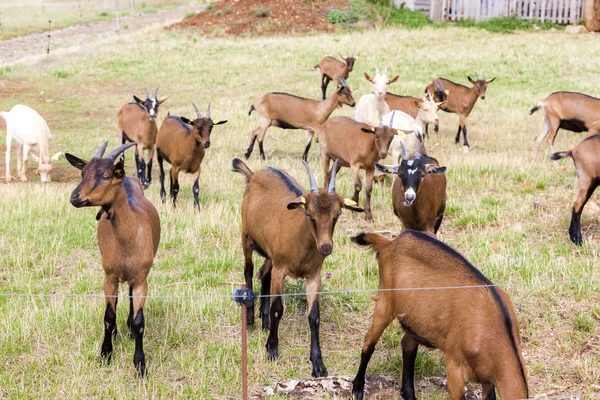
28	129
287	111
137	123
293	230
418	192
372	105
476	327
587	164
358	146
576	112
407	104
461	100
330	68
183	147
128	236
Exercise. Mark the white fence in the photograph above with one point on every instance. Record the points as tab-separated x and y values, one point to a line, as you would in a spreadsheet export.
558	11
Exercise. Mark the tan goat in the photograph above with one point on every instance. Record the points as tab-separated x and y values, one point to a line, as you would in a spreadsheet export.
287	111
128	236
476	327
330	68
293	230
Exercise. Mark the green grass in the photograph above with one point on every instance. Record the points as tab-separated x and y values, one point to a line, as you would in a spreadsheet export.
49	347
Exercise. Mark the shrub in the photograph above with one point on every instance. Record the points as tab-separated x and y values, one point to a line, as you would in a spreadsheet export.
188	15
407	18
339	17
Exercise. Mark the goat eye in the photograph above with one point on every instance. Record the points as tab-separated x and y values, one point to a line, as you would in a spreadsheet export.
105	177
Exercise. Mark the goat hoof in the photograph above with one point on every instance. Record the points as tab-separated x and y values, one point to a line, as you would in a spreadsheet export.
247	155
106	353
140	365
272	354
357	394
319	371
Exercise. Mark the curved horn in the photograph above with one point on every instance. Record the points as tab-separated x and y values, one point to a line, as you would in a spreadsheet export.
342	81
483	75
101	150
377	70
477	75
311	178
391	123
403	151
386	70
418	153
331	188
380	120
147	94
208	112
197	111
117	152
156	93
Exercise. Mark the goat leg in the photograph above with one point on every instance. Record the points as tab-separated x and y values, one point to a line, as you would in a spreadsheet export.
250	147
488	391
309	136
163	193
409	355
275	314
110	318
313	286
457	140
466	142
248	272
137	326
265	291
196	189
130	316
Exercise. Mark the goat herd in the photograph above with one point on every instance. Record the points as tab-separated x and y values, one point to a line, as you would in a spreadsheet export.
293	228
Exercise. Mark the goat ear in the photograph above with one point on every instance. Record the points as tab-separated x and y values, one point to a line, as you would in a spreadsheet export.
448	92
119	170
137	100
490	80
441	103
434	169
187	121
220	122
416	103
394	79
470	80
367	77
299	202
76	161
351	205
368	130
56	156
162	99
387	169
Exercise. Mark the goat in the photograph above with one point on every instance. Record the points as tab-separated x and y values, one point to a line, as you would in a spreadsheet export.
293	230
330	68
461	100
128	236
183	147
476	327
407	104
413	128
358	146
372	105
28	129
576	112
421	175
137	123
587	165
287	111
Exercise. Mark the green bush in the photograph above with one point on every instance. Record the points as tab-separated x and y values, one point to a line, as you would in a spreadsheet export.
339	17
507	24
188	15
407	18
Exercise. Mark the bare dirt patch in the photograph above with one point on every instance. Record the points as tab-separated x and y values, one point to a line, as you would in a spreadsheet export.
260	17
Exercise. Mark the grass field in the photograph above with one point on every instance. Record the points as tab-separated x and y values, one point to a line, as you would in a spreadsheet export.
507	215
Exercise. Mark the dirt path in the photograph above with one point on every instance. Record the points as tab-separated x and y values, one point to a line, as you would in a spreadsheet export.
32	48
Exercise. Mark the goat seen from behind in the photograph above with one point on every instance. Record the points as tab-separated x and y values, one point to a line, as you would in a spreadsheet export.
476	327
128	236
182	143
293	230
586	157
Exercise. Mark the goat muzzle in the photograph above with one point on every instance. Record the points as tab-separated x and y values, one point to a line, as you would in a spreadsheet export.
409	197
77	201
205	145
326	249
482	97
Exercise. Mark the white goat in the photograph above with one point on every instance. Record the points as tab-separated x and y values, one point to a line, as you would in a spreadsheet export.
372	105
413	128
28	129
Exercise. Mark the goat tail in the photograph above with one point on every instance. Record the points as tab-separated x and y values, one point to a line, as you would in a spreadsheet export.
534	109
374	240
241	167
251	109
560	155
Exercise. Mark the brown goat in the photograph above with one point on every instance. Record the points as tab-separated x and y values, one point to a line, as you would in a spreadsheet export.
475	327
330	68
587	164
287	111
576	112
137	123
293	230
358	146
461	99
418	192
407	104
183	147
128	236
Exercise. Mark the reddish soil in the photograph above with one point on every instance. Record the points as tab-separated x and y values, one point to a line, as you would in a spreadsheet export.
243	17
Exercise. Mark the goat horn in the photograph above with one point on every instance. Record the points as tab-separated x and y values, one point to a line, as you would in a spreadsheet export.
331	188
380	120
342	80
147	94
391	123
101	151
311	178
197	111
156	93
483	75
403	152
418	154
117	152
386	70
377	71
208	112
477	75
